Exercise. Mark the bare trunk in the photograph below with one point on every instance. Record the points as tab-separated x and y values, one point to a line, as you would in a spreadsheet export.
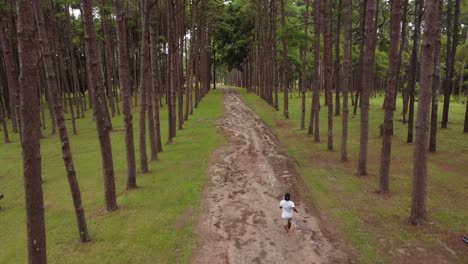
436	82
392	84
171	72
328	70
96	80
11	73
337	61
284	62
51	79
144	73
107	60
451	52
126	93
366	84
30	132
154	37
402	49
413	68
418	201
362	35
314	118
304	68
346	77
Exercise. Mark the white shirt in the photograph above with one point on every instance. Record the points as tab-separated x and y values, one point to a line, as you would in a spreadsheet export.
287	207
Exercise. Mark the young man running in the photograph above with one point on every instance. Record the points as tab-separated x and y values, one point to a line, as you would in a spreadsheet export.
288	207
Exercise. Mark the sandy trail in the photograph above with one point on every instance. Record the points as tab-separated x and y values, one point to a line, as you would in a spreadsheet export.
241	221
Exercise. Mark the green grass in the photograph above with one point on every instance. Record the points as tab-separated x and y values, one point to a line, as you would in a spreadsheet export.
153	223
376	224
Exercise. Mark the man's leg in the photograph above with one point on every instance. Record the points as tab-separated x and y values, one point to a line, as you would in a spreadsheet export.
289	223
286	226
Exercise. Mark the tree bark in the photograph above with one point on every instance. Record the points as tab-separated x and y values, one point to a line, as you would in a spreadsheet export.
450	63
436	82
314	118
72	65
304	67
367	81
328	70
144	73
337	61
171	72
30	132
11	73
96	82
124	74
284	62
392	84
107	58
402	49
362	28
418	198
346	77
51	79
412	71
154	44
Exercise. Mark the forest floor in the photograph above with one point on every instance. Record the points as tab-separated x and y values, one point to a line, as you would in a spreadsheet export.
376	225
241	221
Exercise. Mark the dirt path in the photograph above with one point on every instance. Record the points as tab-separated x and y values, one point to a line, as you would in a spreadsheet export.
241	221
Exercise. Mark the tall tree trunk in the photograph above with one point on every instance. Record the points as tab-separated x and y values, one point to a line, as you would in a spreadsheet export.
151	124
30	132
96	80
124	74
304	67
451	52
392	83
436	82
314	118
328	70
51	79
418	198
284	61
107	58
155	72
171	72
337	61
144	73
180	64
412	70
346	77
362	30
11	73
72	65
366	84
402	49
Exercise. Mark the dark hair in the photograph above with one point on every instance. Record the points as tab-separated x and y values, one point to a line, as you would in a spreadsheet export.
287	197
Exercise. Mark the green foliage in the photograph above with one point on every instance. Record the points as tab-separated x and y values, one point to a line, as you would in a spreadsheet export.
234	35
381	63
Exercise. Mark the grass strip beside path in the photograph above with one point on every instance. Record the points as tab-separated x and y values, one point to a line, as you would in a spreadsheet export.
153	223
377	225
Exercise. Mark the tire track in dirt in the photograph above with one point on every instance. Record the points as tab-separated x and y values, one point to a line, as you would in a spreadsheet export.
240	221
